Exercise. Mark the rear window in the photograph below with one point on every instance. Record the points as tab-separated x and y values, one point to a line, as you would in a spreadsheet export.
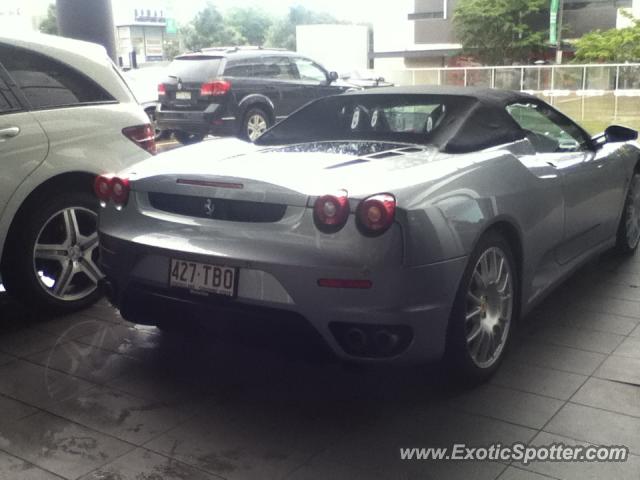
198	68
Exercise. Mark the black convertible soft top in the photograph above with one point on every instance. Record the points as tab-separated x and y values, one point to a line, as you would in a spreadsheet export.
476	118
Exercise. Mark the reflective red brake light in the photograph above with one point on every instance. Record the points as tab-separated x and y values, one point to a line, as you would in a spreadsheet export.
330	212
376	213
217	87
120	190
162	90
102	187
142	135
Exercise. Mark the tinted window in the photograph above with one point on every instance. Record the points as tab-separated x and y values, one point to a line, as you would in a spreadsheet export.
197	68
279	68
547	130
7	100
48	83
309	71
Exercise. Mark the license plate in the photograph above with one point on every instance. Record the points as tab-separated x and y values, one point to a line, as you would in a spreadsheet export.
203	277
183	95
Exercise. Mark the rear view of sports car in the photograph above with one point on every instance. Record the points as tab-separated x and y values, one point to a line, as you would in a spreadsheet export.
399	224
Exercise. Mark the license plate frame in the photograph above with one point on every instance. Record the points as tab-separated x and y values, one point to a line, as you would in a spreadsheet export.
201	277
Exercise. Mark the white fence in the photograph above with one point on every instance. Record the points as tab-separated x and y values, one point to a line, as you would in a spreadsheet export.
594	94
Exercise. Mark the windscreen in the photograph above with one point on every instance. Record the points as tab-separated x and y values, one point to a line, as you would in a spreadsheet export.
197	68
406	118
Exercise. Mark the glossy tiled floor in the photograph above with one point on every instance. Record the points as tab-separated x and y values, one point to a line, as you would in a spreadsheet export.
91	397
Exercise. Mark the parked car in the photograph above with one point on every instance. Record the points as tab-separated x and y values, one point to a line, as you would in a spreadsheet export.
65	115
144	85
365	79
238	91
402	224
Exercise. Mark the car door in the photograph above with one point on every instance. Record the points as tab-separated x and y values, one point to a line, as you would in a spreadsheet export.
592	180
23	143
280	84
314	79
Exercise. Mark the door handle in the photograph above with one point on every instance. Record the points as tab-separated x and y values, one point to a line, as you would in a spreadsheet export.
9	132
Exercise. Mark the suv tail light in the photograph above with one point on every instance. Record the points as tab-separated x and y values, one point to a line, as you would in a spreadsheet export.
330	212
376	213
142	135
217	87
109	187
162	90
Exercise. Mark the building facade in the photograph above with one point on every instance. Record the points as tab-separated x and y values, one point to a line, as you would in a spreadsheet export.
431	35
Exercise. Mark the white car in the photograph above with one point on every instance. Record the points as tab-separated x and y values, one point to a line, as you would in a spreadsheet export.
66	115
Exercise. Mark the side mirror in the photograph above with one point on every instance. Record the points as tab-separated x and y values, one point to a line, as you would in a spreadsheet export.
333	76
615	133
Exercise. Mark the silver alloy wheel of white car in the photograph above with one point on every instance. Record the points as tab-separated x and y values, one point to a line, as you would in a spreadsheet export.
75	253
489	307
256	126
632	213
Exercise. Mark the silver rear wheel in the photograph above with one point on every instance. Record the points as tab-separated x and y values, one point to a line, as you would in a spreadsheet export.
628	236
489	307
65	254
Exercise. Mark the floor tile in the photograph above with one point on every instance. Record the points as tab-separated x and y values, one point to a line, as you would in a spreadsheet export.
622	369
57	445
599	322
120	415
72	326
142	464
36	385
629	348
592	341
615	396
14	468
6	358
12	409
523	408
596	426
514	473
560	358
543	381
85	361
26	342
581	470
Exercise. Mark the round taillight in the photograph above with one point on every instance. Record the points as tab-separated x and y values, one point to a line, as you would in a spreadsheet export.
120	190
375	214
330	212
102	187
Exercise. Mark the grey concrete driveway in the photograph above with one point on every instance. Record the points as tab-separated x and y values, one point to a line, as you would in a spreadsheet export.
89	396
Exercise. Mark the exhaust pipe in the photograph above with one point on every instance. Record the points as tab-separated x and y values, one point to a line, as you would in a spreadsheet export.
356	339
385	341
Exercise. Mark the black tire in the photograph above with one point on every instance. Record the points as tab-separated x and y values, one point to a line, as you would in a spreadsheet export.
187	138
247	122
458	356
41	221
628	236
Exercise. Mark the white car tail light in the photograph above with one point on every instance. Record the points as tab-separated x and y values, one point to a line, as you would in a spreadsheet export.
376	213
110	187
330	212
143	136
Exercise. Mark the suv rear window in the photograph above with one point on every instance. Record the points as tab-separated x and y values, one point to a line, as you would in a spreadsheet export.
47	83
197	68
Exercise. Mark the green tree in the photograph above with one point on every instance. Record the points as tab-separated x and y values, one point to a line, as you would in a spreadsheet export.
499	32
209	29
251	23
50	23
283	31
615	45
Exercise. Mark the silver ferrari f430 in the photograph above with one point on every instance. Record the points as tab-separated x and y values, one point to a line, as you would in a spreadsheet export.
396	224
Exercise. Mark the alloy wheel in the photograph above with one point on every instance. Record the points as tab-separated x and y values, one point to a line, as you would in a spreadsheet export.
256	126
489	307
65	254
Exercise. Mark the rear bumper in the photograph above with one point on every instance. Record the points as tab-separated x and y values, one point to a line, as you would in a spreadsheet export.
410	303
198	122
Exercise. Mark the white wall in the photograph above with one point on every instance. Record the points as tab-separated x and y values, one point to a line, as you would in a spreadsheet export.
342	48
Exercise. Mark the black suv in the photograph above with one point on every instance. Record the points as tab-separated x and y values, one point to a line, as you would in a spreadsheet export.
238	91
